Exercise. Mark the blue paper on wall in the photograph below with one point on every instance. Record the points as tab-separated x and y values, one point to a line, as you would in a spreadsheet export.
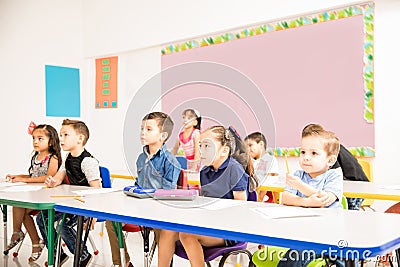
62	91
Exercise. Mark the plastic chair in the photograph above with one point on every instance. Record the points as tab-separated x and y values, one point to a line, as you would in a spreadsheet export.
183	161
145	232
264	257
106	183
367	168
211	253
388	259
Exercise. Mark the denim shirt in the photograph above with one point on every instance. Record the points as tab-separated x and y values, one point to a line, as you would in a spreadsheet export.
160	172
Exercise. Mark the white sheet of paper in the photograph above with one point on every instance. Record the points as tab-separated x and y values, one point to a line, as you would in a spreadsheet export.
22	188
393	187
221	204
8	184
285	212
94	191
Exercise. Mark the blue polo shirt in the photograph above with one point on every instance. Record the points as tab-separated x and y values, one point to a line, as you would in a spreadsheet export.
160	172
221	183
330	181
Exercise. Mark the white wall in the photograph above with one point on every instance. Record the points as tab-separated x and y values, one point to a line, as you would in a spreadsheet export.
73	33
32	34
181	20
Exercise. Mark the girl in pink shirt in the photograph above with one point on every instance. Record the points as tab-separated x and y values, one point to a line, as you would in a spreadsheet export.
189	137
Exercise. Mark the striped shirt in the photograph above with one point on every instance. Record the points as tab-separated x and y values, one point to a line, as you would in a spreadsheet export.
187	144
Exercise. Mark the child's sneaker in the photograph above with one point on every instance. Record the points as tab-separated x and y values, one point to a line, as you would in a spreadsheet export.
63	259
85	262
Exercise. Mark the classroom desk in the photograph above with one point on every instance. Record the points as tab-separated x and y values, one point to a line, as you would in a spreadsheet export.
369	190
241	223
37	200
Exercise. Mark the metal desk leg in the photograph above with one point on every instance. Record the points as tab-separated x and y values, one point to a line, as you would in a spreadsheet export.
146	244
78	242
350	263
50	237
4	210
120	236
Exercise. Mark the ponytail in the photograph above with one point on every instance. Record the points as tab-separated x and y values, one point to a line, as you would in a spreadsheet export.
240	153
237	149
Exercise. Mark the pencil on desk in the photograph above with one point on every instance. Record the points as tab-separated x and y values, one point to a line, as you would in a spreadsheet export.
79	199
66	196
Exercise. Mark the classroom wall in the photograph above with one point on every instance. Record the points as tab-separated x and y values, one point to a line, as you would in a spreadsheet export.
72	33
32	34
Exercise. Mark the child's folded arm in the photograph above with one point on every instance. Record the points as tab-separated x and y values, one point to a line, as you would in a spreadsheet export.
291	199
331	198
296	183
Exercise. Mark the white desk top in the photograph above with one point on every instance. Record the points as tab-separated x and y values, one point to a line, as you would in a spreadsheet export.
368	190
40	199
369	233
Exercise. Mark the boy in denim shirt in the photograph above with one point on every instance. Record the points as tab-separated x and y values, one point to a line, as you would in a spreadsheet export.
157	167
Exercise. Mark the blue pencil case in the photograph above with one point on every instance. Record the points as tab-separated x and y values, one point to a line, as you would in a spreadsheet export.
136	191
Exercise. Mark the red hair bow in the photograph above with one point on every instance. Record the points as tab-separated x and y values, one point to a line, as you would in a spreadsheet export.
31	127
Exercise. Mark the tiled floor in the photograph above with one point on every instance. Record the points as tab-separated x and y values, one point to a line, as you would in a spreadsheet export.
135	248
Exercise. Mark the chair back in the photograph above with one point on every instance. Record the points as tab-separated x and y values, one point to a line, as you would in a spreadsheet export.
252	196
394	208
344	203
182	161
210	253
367	168
105	177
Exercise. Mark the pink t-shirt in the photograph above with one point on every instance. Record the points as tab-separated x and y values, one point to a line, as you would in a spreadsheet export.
187	144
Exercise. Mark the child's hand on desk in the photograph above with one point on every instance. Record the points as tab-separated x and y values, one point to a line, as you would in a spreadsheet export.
293	181
11	178
50	182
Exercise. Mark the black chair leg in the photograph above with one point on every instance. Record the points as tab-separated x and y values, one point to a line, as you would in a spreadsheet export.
225	256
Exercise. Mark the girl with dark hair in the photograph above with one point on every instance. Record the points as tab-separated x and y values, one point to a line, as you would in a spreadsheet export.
45	161
227	173
189	137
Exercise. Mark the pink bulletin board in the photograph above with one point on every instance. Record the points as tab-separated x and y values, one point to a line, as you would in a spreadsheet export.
311	69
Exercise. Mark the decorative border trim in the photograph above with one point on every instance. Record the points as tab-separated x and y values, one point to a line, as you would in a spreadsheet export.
295	151
366	10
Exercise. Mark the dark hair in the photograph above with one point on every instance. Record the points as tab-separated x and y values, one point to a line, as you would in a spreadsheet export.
164	122
257	137
79	127
237	149
54	143
195	114
331	141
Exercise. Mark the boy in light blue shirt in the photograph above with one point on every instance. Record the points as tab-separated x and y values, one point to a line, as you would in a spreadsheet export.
316	185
